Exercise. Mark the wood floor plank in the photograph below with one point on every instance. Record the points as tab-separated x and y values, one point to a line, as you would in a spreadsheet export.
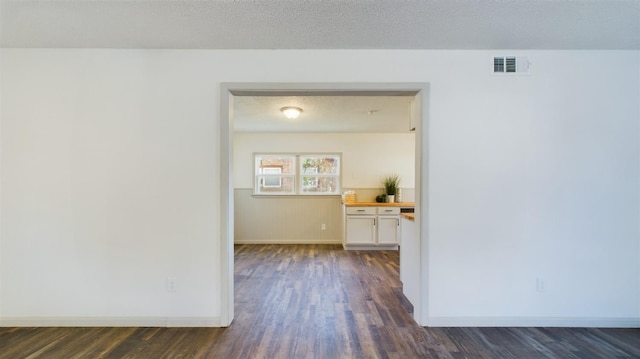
319	301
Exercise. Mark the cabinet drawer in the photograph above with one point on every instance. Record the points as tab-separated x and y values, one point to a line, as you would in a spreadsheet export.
361	210
388	211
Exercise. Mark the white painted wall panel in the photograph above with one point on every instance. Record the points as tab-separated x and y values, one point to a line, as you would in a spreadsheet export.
536	184
287	219
109	187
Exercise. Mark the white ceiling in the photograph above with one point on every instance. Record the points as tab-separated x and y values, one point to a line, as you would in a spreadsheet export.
323	113
330	24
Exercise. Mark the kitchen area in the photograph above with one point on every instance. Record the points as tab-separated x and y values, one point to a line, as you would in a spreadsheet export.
369	137
373	225
364	138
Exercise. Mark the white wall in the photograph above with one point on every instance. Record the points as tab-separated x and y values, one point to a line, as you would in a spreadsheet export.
108	187
540	182
110	170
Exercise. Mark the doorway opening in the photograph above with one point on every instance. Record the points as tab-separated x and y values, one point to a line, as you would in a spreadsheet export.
230	91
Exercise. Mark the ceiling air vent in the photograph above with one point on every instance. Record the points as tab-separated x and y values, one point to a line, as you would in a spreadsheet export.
510	64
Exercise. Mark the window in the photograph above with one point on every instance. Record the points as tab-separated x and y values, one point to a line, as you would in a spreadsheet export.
275	174
320	174
297	174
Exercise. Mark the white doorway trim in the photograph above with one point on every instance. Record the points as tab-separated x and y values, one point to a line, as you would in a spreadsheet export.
229	90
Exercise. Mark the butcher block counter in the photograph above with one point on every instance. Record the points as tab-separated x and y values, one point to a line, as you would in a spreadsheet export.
379	204
409	216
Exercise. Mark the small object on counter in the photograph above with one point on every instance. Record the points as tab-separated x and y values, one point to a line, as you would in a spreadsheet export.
381	198
349	197
391	184
399	195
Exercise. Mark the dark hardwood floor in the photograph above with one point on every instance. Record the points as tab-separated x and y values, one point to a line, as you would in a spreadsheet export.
318	301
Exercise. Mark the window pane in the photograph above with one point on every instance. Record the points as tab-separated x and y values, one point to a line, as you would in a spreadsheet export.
275	184
319	164
268	164
320	185
275	174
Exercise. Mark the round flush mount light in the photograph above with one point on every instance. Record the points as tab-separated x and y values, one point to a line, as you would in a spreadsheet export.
291	112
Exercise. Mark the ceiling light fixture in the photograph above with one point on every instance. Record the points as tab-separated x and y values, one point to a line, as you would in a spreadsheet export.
291	112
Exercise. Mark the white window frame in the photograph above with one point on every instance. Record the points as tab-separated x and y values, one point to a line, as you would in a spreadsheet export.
264	173
299	175
314	172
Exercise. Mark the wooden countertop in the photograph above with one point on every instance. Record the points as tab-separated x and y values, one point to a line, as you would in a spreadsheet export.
409	216
381	204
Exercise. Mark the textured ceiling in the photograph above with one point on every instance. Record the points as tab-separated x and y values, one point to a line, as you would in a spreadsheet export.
323	113
330	24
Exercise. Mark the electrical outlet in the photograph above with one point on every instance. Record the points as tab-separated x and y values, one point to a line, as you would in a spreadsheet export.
171	285
323	227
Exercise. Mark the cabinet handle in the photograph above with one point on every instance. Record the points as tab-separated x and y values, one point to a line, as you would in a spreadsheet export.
398	222
374	221
360	210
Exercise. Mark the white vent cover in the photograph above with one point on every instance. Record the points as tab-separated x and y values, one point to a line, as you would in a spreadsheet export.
510	64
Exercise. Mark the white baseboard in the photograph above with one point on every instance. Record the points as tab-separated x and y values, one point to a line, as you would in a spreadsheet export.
534	322
110	322
287	241
370	248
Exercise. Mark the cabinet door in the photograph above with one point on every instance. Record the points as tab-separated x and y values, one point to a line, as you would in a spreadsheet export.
388	229
361	230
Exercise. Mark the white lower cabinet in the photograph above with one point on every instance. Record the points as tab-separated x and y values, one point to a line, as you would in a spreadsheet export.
361	229
372	227
388	228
